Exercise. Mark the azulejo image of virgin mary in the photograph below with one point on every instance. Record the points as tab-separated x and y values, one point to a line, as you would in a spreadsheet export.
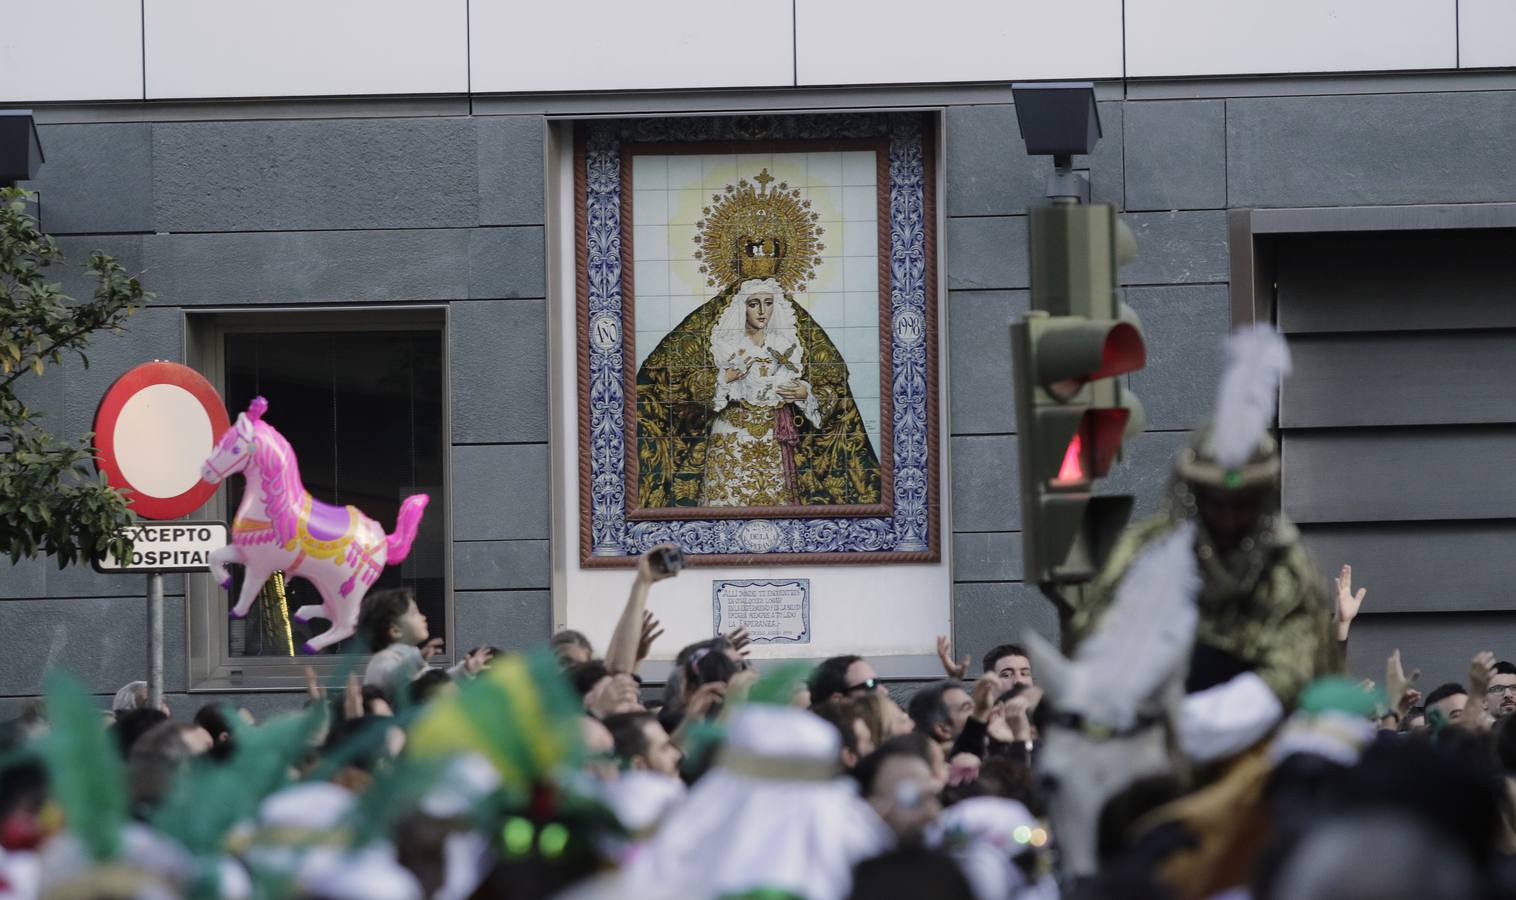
746	403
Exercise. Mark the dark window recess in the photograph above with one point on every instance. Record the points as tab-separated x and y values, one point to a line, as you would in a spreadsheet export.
363	411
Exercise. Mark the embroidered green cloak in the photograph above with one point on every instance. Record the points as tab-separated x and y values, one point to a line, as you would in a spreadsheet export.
835	464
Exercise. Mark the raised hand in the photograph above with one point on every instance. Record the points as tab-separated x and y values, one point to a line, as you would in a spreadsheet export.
739	639
647	573
1347	601
945	656
652	630
986	689
314	692
705	696
1481	670
352	698
477	659
612	695
1396	682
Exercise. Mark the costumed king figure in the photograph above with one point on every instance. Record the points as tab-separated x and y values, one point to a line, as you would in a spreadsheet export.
1264	628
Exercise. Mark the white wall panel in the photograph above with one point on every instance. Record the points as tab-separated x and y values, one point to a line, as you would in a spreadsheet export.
1227	37
70	50
294	48
909	41
1486	33
581	45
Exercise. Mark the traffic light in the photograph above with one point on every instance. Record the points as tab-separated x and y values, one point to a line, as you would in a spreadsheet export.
1072	410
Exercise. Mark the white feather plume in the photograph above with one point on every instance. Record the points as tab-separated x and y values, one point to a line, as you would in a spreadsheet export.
1145	635
1257	361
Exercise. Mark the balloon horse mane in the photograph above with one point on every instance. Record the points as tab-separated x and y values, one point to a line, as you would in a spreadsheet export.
280	526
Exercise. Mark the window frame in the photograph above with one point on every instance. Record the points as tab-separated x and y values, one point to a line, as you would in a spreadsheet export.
211	667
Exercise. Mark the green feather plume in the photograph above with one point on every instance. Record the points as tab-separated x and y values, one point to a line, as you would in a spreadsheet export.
521	715
211	797
396	790
778	685
85	771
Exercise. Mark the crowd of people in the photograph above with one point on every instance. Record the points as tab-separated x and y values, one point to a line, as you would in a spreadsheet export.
1195	736
561	774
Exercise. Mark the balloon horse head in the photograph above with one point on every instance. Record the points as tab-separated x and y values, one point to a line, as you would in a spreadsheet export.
280	526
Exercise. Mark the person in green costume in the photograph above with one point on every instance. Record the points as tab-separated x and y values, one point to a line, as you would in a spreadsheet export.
1265	612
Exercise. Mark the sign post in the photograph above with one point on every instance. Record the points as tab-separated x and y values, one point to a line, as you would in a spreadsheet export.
154	428
154	640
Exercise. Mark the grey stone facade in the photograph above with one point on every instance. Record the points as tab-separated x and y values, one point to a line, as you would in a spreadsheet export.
451	209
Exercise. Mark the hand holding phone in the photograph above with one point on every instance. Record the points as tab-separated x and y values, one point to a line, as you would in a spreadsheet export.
660	562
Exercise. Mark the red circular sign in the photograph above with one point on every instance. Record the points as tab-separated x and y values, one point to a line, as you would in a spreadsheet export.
154	428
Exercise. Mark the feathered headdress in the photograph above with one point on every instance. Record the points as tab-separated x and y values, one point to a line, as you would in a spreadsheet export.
1236	450
84	768
1257	361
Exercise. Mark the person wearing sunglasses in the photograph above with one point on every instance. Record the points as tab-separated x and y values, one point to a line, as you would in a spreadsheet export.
844	678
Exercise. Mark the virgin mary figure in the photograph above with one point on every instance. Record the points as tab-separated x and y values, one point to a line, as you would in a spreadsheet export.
746	403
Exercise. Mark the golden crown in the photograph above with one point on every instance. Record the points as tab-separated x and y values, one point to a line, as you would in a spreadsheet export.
750	231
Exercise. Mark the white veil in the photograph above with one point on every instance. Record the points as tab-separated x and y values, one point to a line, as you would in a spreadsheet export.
730	333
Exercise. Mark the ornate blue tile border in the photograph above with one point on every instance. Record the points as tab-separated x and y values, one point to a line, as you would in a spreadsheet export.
903	529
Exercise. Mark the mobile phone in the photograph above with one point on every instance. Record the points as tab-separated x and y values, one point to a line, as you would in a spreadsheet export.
666	560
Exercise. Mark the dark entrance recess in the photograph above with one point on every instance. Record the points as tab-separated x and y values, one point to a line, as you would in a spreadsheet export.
1398	426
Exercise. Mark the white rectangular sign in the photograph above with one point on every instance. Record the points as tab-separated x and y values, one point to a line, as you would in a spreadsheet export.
169	547
774	611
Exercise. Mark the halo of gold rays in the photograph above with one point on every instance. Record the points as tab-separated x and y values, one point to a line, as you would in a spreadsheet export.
745	214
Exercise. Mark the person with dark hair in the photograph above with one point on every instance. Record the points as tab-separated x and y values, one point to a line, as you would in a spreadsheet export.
1010	664
711	666
842	678
1500	694
392	625
1000	776
584	676
642	744
397	633
156	759
132	724
602	693
427	685
939	711
901	781
572	647
913	744
848	719
212	717
375	703
909	873
1445	704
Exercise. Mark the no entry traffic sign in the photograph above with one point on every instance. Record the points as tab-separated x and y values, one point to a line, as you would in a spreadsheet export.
170	547
154	429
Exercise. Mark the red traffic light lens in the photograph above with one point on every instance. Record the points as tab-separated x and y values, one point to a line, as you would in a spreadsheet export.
1092	450
1072	467
1123	352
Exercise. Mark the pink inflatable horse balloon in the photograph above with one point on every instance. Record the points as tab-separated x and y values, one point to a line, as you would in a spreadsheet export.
281	526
